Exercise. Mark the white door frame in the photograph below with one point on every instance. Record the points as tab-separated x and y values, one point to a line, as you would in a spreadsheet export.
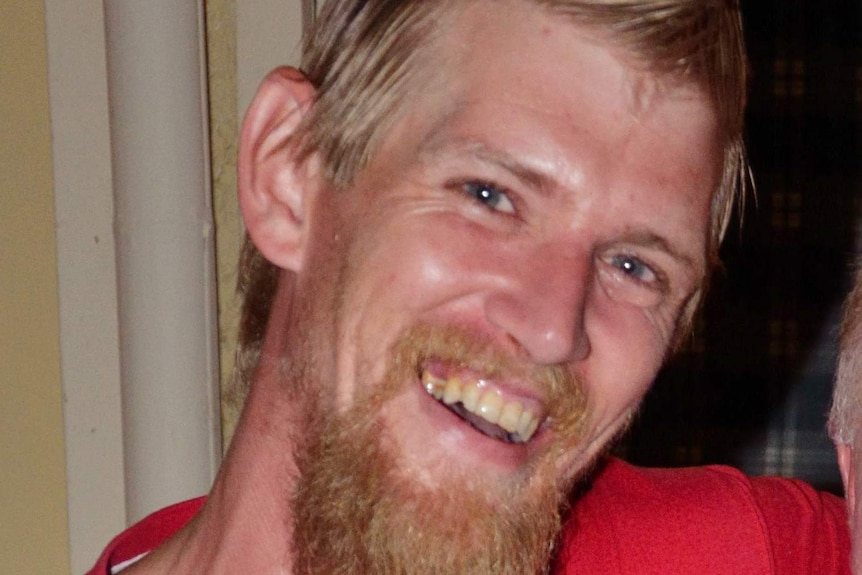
268	34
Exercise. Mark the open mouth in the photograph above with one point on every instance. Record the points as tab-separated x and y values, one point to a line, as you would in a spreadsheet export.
484	407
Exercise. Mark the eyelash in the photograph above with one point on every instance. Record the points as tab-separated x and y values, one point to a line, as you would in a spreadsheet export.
627	264
626	287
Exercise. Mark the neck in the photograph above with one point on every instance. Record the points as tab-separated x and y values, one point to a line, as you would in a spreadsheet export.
246	524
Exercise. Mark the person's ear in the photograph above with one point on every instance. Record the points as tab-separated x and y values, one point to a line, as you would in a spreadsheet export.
848	476
274	188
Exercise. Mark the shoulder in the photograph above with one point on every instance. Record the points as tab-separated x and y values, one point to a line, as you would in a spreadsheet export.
146	535
710	520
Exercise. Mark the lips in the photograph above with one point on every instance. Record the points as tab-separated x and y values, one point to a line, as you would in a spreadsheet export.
484	406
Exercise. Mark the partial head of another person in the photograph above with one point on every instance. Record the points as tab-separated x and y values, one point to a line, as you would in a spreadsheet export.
846	412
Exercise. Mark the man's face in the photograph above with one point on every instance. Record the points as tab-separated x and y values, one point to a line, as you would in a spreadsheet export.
513	263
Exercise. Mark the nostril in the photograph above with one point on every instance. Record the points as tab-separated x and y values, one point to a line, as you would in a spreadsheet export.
545	333
582	346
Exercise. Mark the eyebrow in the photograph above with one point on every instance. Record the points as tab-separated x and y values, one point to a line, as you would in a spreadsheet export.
652	240
436	146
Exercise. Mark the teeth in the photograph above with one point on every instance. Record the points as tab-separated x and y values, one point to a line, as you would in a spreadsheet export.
511	417
470	396
528	423
432	386
452	391
484	402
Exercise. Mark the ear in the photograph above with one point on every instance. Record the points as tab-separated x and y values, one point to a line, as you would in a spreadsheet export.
274	189
848	476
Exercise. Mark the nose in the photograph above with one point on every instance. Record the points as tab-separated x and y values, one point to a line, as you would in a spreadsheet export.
540	302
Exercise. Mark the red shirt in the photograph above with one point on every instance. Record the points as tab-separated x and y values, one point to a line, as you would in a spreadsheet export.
703	521
637	521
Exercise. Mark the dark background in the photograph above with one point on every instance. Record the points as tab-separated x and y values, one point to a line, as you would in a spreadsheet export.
753	389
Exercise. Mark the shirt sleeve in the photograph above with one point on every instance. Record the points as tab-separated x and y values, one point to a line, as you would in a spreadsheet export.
702	521
808	530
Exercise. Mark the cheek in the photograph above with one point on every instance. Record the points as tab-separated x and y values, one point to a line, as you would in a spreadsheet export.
414	269
627	350
394	278
417	267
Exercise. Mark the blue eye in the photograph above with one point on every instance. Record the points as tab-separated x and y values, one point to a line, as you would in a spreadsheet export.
490	196
629	280
633	267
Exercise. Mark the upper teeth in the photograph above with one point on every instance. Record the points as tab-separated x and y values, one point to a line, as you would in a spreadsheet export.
486	402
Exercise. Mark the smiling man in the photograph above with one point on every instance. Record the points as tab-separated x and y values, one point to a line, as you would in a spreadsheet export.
463	321
476	231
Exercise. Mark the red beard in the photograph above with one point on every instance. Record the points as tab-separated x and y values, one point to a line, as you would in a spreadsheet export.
357	511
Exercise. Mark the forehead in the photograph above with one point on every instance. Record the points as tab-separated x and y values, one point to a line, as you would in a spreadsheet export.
535	83
515	90
513	48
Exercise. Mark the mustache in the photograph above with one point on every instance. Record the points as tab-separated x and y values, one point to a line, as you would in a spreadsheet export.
562	392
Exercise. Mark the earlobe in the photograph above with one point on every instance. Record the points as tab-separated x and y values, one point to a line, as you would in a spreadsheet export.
274	188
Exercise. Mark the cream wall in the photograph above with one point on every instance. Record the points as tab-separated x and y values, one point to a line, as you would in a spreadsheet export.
222	69
33	499
33	532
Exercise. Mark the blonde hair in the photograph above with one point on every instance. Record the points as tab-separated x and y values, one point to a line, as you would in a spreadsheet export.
364	55
846	398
